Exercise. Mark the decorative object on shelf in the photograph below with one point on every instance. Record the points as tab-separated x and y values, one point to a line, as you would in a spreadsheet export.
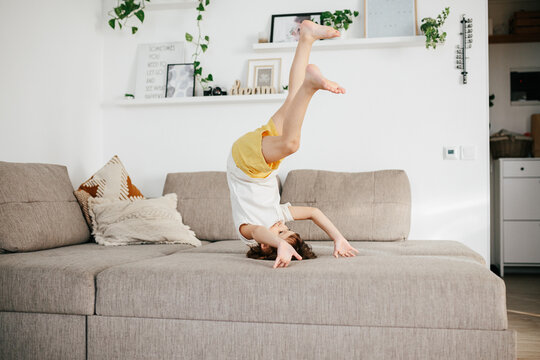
264	73
152	60
180	80
237	89
339	20
216	91
466	43
286	27
525	22
506	143
124	10
385	18
430	28
262	38
285	89
201	45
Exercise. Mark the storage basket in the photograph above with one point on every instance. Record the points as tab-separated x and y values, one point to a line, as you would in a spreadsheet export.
506	144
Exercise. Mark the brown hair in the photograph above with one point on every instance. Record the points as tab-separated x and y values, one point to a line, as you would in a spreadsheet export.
303	249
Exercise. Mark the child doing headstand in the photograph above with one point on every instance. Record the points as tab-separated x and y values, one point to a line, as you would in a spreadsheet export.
251	168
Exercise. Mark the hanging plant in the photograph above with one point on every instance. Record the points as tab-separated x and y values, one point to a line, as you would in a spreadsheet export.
126	9
201	43
430	28
339	20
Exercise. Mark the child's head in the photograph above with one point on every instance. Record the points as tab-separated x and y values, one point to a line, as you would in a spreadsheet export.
265	252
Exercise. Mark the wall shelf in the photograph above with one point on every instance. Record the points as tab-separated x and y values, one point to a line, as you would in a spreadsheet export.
229	99
514	38
171	4
355	43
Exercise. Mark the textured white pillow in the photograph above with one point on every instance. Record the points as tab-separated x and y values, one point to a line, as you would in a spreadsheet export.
142	221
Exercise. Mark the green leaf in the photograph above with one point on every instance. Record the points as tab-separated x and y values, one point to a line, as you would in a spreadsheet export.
204	80
134	29
207	2
356	13
112	22
204	47
196	64
210	77
207	38
200	7
140	15
118	11
189	37
198	71
199	17
120	24
346	26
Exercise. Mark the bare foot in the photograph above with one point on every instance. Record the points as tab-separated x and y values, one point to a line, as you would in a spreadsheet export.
317	81
315	31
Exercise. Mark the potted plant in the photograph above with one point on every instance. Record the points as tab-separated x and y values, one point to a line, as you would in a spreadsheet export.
339	20
430	28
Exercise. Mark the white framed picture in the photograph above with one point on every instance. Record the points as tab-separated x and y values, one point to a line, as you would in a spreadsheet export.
264	73
387	18
286	27
152	61
180	80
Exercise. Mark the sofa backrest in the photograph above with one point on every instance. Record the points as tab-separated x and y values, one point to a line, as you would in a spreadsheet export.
204	203
373	206
38	209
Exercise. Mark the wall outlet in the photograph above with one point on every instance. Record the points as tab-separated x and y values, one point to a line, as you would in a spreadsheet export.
468	152
451	152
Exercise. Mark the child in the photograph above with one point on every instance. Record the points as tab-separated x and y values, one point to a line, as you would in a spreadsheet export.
257	213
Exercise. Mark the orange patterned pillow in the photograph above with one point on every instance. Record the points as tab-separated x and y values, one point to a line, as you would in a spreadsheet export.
111	182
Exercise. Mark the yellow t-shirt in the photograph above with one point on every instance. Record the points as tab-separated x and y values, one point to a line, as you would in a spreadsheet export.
247	152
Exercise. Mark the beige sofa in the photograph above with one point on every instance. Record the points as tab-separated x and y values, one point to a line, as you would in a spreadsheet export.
396	300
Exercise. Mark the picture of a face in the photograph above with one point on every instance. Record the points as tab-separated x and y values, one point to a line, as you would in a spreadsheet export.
287	28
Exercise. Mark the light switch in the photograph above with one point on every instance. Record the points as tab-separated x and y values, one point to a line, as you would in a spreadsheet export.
468	152
451	153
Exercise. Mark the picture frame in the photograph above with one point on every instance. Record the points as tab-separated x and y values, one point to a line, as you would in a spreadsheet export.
264	73
151	72
180	80
389	18
285	27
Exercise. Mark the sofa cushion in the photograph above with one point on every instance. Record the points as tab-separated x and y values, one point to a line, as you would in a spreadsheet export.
439	248
111	182
373	206
37	208
62	280
204	202
390	289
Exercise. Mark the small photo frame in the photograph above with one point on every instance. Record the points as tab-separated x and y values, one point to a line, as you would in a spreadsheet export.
264	73
286	27
180	80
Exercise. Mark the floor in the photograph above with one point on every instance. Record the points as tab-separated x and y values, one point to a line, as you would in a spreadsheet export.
523	304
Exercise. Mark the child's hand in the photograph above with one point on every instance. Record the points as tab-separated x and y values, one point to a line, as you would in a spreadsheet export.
284	254
343	248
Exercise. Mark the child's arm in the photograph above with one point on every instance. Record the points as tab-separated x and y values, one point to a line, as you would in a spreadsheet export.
262	235
341	245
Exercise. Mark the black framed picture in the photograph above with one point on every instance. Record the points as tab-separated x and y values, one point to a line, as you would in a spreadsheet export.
286	27
180	80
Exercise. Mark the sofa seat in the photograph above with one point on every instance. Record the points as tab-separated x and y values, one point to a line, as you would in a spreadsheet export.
62	280
415	284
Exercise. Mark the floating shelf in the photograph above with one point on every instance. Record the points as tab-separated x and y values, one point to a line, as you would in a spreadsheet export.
171	4
355	43
514	38
200	100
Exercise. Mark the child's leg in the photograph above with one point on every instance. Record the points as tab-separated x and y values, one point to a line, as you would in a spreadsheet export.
304	81
275	148
309	32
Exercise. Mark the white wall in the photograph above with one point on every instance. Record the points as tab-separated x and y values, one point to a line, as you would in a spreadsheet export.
403	105
503	58
50	84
